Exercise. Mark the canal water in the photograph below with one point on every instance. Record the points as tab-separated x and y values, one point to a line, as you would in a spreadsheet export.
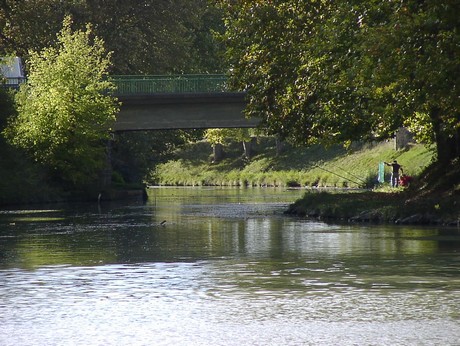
215	266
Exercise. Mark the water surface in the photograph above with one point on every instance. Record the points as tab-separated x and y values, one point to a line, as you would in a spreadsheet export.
218	266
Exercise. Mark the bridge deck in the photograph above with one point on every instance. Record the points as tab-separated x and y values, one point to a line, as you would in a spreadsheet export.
178	102
183	111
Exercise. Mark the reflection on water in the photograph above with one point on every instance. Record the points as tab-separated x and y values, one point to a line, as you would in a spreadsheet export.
221	267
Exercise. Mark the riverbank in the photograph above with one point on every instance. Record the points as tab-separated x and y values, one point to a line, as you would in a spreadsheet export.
433	199
316	166
341	184
49	194
401	207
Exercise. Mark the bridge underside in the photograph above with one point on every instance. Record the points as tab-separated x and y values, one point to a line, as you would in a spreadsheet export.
183	111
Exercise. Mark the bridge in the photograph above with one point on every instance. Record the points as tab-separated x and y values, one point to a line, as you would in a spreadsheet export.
178	102
175	102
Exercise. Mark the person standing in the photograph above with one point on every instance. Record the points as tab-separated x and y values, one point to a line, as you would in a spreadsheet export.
395	168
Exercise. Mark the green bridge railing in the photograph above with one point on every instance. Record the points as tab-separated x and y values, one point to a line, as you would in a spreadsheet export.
132	85
136	84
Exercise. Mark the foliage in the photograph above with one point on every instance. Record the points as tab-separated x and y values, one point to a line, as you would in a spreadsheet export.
64	111
415	61
29	25
160	37
6	107
19	180
306	167
134	154
335	71
221	136
148	37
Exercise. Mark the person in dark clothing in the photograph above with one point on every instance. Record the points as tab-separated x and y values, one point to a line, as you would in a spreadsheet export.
395	168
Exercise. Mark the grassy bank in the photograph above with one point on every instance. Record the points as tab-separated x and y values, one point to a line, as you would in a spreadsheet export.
401	207
433	197
305	167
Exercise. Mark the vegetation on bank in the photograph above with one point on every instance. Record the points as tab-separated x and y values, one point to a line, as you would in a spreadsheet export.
316	166
64	117
400	207
55	143
329	72
339	71
432	198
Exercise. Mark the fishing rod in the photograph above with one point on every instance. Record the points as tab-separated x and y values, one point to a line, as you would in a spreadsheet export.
341	176
353	175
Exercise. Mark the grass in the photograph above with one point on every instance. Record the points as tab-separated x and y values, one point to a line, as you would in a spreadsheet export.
395	206
302	167
433	197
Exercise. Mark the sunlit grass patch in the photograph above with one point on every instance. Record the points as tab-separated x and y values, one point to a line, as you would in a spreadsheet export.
314	166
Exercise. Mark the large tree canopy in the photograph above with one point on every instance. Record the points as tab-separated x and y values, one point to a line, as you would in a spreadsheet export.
335	71
64	112
146	36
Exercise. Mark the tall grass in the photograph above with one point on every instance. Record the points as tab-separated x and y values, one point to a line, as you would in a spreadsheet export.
306	167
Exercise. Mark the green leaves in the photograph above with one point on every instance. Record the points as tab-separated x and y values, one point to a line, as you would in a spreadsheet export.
221	136
65	113
327	71
147	36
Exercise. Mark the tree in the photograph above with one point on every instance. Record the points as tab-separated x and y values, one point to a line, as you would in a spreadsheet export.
147	37
31	25
136	153
415	60
335	71
155	37
218	137
7	109
65	113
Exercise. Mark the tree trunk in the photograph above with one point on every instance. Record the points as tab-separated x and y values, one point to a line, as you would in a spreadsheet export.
447	145
279	146
218	152
248	148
